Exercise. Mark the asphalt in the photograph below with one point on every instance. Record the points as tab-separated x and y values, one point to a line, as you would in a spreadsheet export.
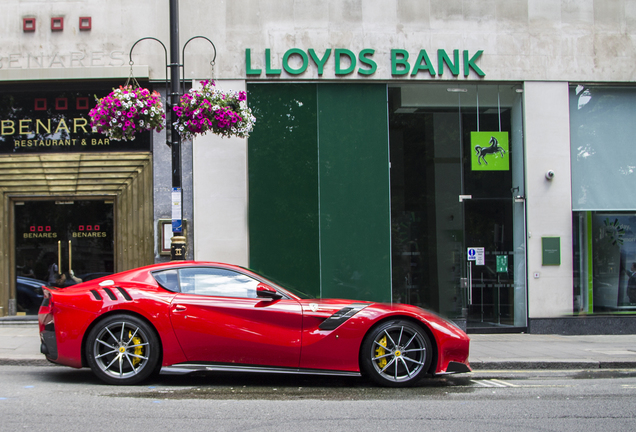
20	345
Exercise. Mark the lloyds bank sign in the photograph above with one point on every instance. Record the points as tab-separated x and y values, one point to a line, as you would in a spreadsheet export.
296	61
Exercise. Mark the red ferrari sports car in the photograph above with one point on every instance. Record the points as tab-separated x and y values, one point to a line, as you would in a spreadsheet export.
186	316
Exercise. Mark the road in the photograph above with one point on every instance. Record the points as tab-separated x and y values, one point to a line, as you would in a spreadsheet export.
63	399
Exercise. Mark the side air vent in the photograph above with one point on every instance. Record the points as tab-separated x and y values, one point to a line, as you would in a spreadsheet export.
96	295
110	294
340	317
124	293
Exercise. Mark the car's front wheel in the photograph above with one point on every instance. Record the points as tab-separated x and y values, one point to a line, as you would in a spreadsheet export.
122	349
396	353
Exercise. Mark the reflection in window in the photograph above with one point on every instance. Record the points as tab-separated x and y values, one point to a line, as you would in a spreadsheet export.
602	130
217	282
613	257
168	279
604	262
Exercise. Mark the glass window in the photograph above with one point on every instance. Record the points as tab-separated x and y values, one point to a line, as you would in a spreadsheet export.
614	255
217	282
606	264
168	279
602	131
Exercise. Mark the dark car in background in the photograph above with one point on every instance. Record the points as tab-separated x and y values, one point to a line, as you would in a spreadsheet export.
29	294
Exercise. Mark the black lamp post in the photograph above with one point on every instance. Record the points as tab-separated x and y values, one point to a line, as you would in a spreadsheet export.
173	93
179	244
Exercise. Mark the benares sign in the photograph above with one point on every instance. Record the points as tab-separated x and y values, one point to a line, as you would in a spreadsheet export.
346	62
72	59
56	122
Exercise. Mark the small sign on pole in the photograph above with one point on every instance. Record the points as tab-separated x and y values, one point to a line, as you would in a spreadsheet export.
477	254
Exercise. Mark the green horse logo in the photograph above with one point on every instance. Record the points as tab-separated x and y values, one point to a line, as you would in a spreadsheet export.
494	148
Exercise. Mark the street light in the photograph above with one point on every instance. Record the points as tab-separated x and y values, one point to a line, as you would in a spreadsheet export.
178	245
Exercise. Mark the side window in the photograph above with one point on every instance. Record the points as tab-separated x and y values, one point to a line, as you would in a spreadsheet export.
217	282
168	279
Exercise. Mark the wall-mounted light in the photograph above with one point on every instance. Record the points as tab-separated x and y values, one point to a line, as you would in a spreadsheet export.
85	23
57	23
457	90
28	24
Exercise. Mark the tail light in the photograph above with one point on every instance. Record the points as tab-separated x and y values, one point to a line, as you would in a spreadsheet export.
48	300
45	313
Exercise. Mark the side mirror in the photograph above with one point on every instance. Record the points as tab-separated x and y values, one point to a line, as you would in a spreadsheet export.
266	291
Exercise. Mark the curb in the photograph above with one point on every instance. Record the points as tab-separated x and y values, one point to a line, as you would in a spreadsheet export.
25	362
18	323
552	365
476	366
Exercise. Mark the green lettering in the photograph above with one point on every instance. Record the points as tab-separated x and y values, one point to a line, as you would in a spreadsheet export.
442	58
367	61
423	63
402	61
468	64
320	62
289	69
248	63
352	59
268	67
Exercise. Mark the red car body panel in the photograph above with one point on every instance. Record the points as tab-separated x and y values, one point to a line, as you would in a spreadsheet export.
264	332
319	345
238	330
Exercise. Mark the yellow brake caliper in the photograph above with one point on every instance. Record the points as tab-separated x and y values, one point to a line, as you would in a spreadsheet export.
138	350
380	351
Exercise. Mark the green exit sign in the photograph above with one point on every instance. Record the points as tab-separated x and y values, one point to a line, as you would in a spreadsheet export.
502	263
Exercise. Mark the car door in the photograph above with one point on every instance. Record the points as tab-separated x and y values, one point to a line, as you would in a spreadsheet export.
217	317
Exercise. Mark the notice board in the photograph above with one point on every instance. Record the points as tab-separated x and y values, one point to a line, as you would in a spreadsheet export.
551	250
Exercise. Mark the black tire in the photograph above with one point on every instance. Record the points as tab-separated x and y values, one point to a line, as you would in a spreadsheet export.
396	353
122	349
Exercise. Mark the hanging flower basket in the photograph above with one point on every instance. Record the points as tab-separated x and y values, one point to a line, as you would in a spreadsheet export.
207	109
127	111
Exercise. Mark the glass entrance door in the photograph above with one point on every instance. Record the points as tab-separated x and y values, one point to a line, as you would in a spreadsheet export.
57	237
457	184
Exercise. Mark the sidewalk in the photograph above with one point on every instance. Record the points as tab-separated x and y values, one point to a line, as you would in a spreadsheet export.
20	345
536	351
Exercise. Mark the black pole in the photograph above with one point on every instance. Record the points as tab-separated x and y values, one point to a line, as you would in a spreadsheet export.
178	248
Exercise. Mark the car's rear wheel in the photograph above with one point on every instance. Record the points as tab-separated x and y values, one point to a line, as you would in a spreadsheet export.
396	353
122	349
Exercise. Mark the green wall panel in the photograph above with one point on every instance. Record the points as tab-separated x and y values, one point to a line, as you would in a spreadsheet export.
283	185
354	192
319	215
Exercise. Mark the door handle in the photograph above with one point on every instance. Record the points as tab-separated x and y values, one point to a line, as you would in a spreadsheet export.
179	308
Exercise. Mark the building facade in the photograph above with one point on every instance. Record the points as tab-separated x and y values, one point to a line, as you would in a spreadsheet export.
474	158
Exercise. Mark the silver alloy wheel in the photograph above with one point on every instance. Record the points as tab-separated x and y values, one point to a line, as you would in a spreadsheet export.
121	349
399	353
